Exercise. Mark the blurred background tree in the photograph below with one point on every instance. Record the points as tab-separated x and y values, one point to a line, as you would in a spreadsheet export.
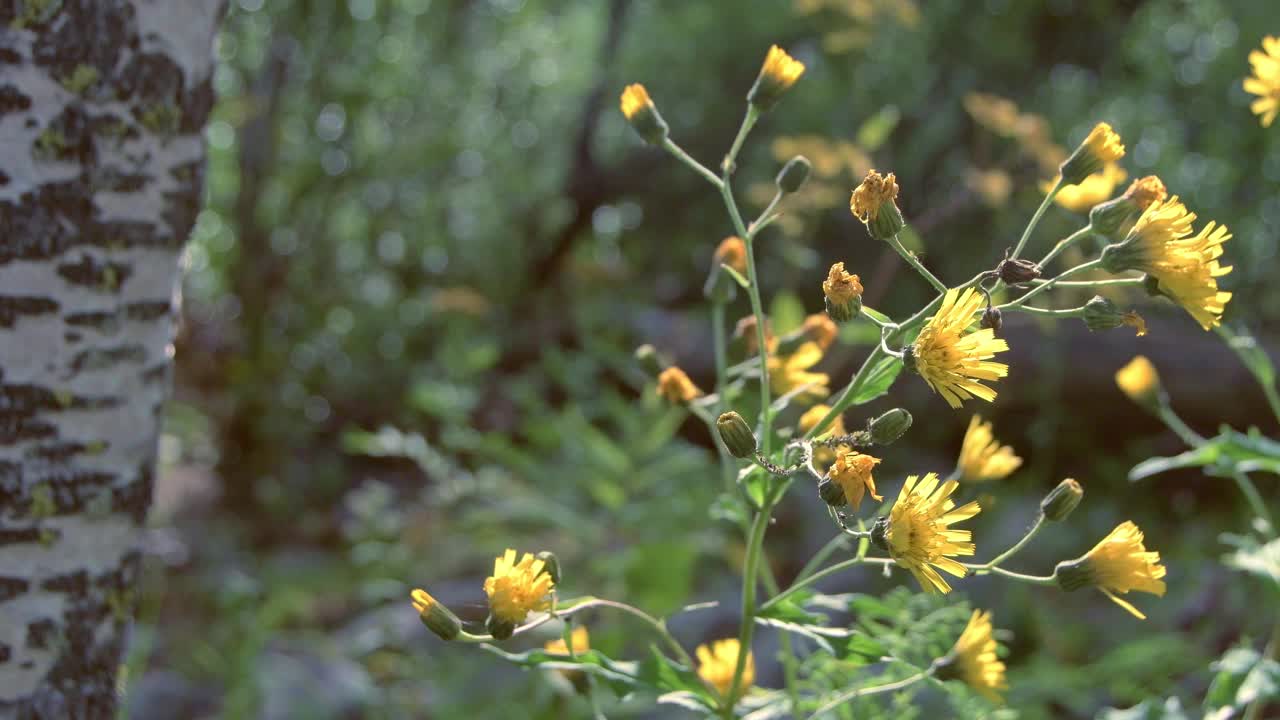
429	215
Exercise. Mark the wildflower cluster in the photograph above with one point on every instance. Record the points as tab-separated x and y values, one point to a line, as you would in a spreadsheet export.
794	430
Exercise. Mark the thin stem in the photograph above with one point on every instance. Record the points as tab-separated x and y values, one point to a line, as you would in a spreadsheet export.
1237	345
748	122
1091	283
766	216
658	626
722	378
757	308
914	262
848	695
802	583
836	543
1175	423
1049	312
1254	498
1018	545
1033	579
845	399
754	542
890	325
1065	243
670	146
1046	286
1035	219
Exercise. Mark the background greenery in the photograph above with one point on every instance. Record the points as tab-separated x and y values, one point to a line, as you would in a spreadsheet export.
431	244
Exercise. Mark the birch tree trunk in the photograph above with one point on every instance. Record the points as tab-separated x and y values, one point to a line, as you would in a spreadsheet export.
102	108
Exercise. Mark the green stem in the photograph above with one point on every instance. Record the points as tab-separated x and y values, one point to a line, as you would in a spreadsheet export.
1049	312
766	216
1092	283
670	146
1237	346
1018	545
836	543
1032	579
845	399
1175	423
1254	498
1049	284
802	583
1035	219
757	308
748	122
1065	243
845	697
754	542
914	262
718	341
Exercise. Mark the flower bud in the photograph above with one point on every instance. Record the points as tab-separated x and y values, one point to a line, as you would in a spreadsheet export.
880	532
438	618
874	203
1100	147
890	426
500	629
1071	575
992	318
720	286
1016	271
676	387
643	115
736	435
1140	381
1102	314
779	72
831	493
792	175
551	565
1115	218
650	360
1061	500
842	294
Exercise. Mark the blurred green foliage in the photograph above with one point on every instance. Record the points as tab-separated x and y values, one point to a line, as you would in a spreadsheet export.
428	215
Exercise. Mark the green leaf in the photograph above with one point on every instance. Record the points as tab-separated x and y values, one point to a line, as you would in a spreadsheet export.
1251	354
737	276
791	609
755	482
879	316
1228	453
1251	557
877	128
668	676
1243	676
878	380
786	313
622	677
819	634
1168	709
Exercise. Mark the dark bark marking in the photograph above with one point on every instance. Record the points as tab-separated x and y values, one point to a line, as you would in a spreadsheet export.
76	583
13	100
103	358
148	310
12	306
41	633
135	498
11	587
89	272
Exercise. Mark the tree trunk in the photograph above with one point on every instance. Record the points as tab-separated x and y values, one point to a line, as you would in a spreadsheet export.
102	108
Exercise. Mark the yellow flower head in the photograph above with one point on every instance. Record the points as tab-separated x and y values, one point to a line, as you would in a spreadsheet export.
1265	82
822	456
841	287
717	662
579	640
874	192
732	252
820	329
422	600
1117	565
852	472
676	387
745	331
1102	146
975	658
1139	380
1094	189
789	372
982	457
635	99
517	588
1185	266
778	73
919	535
952	362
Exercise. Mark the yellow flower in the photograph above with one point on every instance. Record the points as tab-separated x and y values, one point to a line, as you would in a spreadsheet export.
642	114
1094	189
1118	564
778	73
516	588
822	456
676	387
1185	266
982	457
1102	146
872	194
852	472
975	658
789	372
1265	82
579	640
1139	380
438	618
635	99
820	329
952	362
919	535
717	662
732	252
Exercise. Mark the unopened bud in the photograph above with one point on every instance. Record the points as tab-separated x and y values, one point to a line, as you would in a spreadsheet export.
792	175
890	426
1071	575
1139	380
992	318
1099	148
438	618
779	72
550	565
643	115
831	493
720	286
1102	314
1061	500
874	202
650	360
736	435
1016	271
842	294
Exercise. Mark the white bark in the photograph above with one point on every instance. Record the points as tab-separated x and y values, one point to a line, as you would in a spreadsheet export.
102	107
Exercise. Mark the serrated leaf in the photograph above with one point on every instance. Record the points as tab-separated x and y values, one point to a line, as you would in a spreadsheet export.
820	634
1227	453
622	677
878	380
1243	676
